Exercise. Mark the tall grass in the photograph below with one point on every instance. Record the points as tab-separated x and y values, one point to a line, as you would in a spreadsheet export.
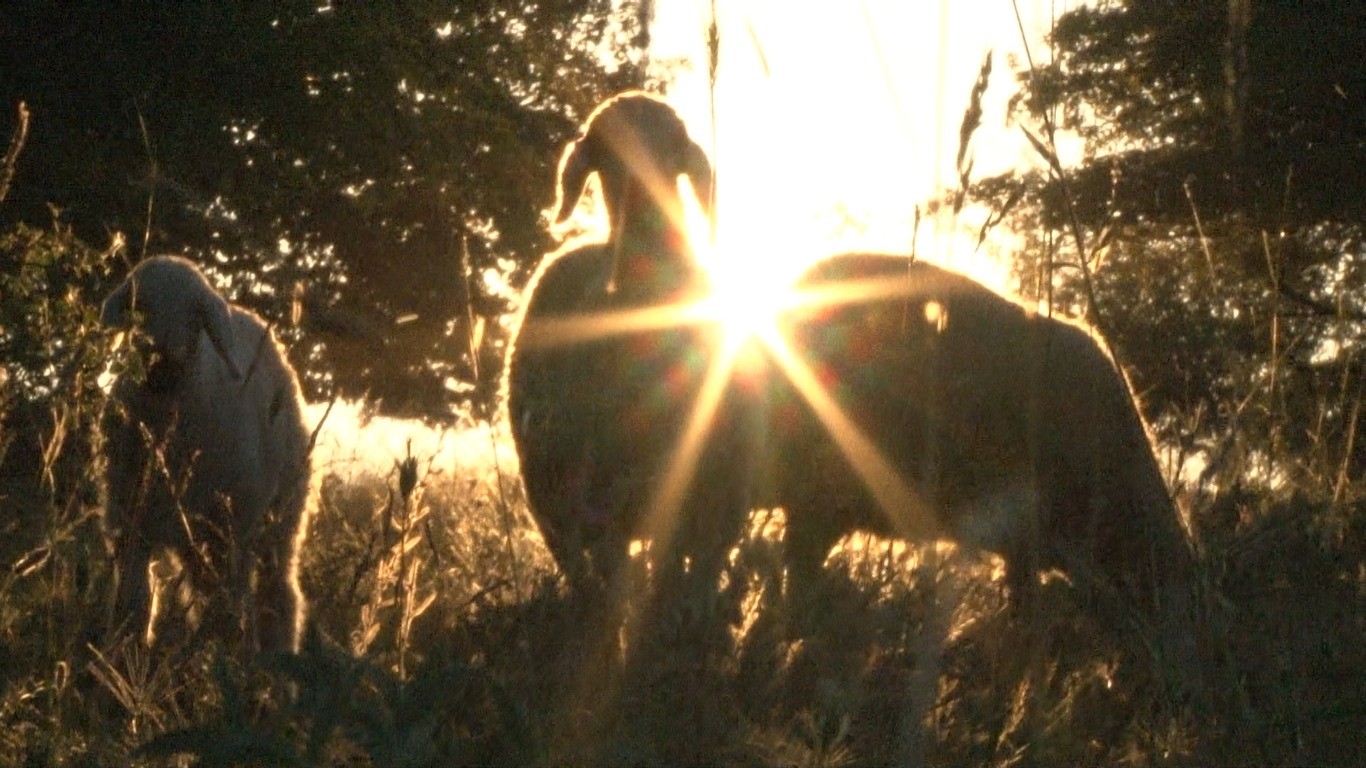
428	645
440	634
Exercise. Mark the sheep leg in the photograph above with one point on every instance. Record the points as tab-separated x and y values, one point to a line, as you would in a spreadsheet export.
1022	575
697	552
725	494
129	478
277	599
1025	552
133	601
810	535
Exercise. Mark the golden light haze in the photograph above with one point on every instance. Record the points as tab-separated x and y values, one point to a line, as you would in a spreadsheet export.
834	120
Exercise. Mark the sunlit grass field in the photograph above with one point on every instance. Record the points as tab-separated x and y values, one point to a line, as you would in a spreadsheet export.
440	634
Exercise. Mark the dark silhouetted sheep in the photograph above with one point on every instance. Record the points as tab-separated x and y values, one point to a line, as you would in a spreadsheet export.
971	418
596	418
207	456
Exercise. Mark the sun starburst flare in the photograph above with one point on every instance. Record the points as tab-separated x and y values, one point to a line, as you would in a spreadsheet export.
742	327
752	311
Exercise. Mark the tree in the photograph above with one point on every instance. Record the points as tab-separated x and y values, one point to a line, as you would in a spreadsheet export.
1214	228
381	167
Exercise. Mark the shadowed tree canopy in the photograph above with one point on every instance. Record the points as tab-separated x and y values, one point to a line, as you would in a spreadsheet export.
1259	106
376	171
1214	225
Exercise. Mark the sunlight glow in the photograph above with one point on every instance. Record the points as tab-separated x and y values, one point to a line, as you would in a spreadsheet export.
815	155
743	307
353	442
749	298
661	517
576	329
753	276
745	300
849	152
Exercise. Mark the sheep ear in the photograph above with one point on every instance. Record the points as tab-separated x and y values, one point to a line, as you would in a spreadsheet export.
574	169
697	168
217	319
114	312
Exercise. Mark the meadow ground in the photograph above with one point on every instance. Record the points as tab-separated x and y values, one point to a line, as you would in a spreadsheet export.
440	634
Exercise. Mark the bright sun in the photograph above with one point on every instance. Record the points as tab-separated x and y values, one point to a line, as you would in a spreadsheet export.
746	297
752	274
754	270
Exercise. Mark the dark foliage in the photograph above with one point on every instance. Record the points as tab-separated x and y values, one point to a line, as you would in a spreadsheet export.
438	636
382	166
1260	111
1213	229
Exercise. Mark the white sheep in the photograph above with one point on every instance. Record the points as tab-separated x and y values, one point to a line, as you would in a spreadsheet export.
208	458
596	420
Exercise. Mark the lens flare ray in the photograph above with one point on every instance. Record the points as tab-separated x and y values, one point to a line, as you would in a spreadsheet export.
660	521
908	513
741	321
586	327
862	291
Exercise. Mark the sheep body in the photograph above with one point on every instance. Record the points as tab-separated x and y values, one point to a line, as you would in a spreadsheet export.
207	456
597	419
587	414
1006	430
983	421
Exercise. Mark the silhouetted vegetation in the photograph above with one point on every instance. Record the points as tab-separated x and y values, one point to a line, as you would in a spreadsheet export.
440	632
383	159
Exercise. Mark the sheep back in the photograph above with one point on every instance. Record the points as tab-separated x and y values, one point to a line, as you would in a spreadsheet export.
242	440
551	428
1015	431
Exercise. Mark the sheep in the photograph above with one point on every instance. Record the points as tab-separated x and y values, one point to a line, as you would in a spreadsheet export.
207	457
989	424
595	420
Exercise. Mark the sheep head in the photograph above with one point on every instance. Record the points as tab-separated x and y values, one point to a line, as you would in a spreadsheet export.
638	146
170	301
